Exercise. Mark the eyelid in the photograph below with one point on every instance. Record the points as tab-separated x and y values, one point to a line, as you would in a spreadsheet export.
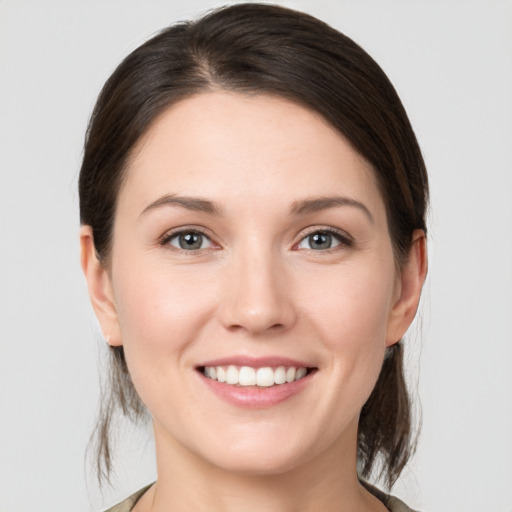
342	236
172	233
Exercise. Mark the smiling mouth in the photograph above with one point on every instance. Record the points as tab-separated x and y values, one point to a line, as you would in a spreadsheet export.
264	377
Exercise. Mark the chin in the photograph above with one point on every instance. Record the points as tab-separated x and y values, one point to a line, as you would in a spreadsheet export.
269	453
258	463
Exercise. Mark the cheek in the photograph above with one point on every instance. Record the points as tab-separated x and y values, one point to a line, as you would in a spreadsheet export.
160	314
352	316
354	303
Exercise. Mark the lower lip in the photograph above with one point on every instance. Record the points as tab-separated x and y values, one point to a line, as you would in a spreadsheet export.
253	397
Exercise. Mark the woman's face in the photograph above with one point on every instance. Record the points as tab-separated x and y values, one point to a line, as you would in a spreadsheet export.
251	244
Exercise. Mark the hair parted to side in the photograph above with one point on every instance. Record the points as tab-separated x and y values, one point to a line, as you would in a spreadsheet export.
263	49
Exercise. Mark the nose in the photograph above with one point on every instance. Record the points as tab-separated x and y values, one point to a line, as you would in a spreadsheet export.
258	295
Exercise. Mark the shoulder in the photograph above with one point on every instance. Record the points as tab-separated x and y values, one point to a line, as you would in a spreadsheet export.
393	504
396	505
128	504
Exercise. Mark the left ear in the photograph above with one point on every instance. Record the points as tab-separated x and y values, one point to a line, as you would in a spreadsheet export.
408	292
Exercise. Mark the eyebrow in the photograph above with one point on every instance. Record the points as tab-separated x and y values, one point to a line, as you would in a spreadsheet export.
323	203
301	207
196	204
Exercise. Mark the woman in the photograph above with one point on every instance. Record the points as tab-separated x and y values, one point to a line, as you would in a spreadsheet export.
252	201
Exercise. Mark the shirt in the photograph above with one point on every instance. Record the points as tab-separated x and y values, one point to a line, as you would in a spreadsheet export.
393	504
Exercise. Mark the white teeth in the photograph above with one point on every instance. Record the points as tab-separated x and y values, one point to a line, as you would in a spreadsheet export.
265	377
232	375
301	372
280	375
221	374
248	376
290	374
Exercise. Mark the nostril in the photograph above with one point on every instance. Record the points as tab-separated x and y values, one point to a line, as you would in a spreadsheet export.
256	328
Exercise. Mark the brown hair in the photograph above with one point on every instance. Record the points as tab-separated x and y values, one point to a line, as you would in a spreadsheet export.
263	49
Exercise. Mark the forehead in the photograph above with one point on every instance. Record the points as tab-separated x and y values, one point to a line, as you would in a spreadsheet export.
227	145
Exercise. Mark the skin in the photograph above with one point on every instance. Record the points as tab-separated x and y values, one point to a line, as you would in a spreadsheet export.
256	287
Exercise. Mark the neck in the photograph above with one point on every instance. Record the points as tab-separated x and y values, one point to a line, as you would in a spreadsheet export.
327	482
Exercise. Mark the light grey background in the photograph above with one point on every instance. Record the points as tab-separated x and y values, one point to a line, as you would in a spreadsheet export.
451	62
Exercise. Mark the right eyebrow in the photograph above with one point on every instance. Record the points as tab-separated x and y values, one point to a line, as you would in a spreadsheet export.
197	204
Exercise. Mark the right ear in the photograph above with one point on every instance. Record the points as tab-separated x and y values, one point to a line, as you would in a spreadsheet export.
99	285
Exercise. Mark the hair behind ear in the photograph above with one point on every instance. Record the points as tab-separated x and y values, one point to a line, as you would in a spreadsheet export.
385	422
118	398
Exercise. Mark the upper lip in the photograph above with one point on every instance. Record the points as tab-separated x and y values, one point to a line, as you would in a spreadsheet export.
256	362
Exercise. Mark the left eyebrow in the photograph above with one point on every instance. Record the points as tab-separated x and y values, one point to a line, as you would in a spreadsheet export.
323	203
197	204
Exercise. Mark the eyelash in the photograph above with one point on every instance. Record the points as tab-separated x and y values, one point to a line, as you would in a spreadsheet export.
166	239
340	236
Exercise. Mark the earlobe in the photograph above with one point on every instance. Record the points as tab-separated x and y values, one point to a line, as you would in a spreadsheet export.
411	281
100	288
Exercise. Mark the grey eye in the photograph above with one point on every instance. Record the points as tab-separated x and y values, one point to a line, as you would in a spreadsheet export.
319	241
190	241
